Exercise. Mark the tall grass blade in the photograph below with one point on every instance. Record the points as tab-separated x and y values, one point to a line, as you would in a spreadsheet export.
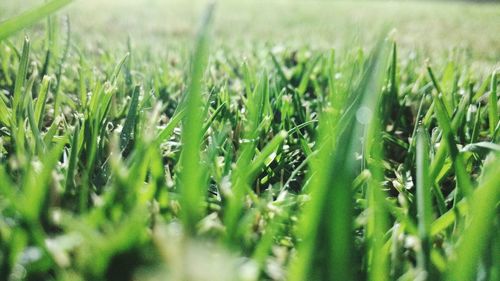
377	225
22	72
192	187
72	165
463	179
473	241
326	227
424	203
241	178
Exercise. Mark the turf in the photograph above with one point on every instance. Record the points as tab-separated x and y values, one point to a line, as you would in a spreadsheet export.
280	140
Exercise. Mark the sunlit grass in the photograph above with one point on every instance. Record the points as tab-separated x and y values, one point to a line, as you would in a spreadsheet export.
284	164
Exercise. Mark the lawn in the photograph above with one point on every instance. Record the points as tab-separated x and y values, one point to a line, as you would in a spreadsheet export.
435	27
250	140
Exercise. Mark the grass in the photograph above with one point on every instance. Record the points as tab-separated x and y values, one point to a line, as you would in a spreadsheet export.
28	18
294	163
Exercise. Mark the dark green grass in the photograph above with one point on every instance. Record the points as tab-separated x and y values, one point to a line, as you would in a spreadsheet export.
294	164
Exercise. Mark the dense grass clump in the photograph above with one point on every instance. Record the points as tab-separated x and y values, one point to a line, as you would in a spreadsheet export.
290	164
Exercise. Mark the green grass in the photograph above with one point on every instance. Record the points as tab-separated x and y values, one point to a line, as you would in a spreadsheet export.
209	159
28	18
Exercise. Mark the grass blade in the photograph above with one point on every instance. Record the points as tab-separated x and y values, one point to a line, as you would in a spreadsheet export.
40	145
167	132
493	105
128	126
21	79
463	180
473	241
17	23
42	101
326	225
377	225
261	158
192	188
73	156
424	203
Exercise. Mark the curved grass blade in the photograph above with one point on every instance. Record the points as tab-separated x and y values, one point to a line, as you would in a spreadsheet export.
269	149
448	218
167	132
17	23
212	118
463	180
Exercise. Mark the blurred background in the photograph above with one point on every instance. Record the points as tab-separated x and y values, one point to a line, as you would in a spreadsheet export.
431	27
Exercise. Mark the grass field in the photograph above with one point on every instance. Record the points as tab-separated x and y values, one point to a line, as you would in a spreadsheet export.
435	28
257	140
